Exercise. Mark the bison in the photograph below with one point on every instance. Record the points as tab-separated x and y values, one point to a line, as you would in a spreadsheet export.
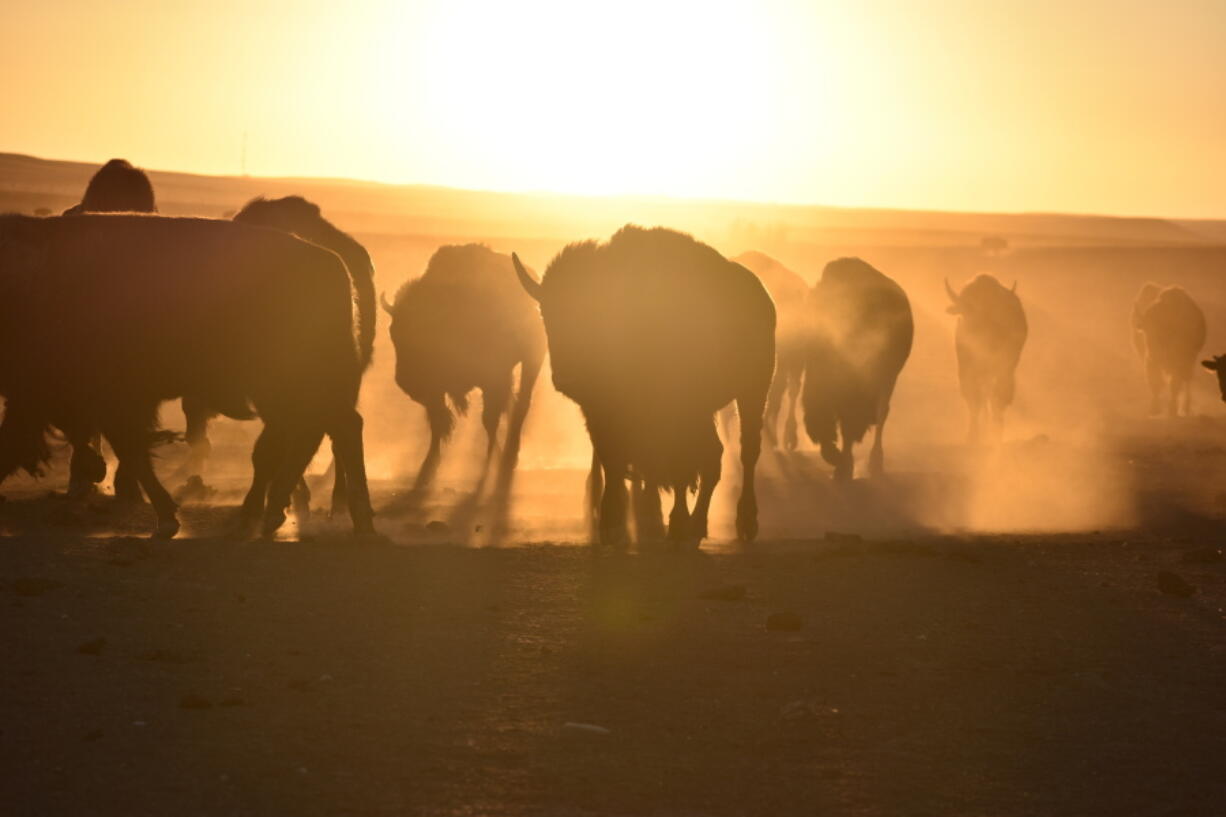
652	333
860	338
988	340
465	324
1173	327
296	215
117	187
104	316
789	292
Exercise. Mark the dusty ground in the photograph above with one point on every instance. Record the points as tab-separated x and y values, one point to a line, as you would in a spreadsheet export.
930	674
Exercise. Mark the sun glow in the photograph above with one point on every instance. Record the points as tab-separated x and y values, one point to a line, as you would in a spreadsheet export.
637	97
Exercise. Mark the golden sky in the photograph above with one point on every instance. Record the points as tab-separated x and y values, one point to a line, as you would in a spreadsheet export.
1109	106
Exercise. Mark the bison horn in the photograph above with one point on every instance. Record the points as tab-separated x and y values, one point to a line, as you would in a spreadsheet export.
383	300
530	284
953	296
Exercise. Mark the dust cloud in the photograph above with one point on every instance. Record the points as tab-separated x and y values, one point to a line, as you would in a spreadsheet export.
1079	451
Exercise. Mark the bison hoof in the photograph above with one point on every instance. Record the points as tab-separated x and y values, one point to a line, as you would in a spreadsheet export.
166	529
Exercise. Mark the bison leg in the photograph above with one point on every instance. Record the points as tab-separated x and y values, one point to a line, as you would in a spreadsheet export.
1002	396
264	459
750	408
648	514
612	458
791	440
1177	386
300	500
708	477
774	402
87	467
876	457
340	485
132	448
351	458
845	459
613	504
440	426
196	415
593	494
296	454
679	519
529	371
127	485
494	399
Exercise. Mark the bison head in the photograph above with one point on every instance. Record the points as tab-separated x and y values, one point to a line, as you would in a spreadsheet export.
1217	365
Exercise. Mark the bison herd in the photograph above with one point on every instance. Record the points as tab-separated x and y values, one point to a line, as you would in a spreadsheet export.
111	309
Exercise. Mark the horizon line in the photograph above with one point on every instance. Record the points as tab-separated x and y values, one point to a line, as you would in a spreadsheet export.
664	197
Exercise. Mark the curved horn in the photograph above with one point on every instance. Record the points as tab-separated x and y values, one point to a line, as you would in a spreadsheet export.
530	284
383	300
1013	289
953	296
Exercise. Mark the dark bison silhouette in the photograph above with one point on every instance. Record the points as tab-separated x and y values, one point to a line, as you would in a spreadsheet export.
1173	328
861	333
651	334
1217	365
103	319
988	340
296	215
466	324
789	292
117	187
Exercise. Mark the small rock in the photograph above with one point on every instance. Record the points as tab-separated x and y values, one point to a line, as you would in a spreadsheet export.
92	647
583	729
1172	584
785	621
438	526
728	592
193	701
836	538
1202	556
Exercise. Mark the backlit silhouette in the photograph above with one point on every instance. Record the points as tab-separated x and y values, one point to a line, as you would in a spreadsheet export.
1173	327
652	333
466	324
861	338
988	340
789	292
141	292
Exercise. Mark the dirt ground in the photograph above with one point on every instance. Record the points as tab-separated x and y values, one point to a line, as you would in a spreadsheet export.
925	673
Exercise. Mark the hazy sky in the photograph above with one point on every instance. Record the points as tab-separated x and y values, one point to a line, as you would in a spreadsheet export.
1113	106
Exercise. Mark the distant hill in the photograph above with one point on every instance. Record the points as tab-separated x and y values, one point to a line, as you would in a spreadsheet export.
28	184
